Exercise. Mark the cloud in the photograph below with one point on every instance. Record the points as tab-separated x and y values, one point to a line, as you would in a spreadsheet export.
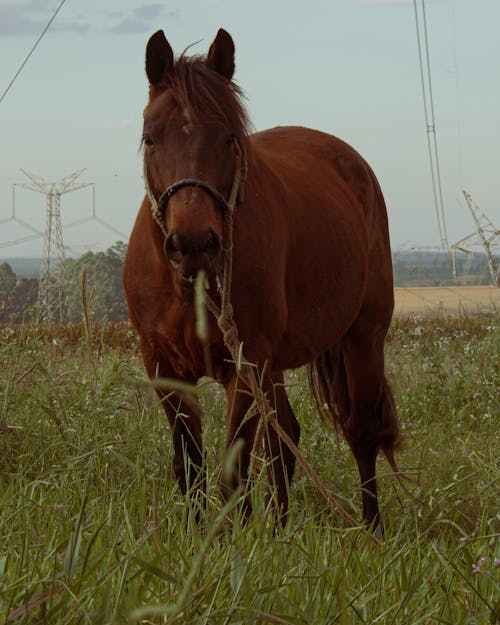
388	2
142	19
31	17
128	122
393	2
28	18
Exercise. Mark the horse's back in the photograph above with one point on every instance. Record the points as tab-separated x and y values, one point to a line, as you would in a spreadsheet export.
325	159
337	178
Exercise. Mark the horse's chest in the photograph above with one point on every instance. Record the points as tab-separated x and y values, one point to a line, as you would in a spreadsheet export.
181	349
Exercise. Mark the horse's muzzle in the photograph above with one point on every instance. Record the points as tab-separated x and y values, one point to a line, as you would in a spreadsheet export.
194	253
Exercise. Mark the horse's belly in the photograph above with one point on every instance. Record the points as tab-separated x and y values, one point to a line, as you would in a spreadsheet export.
319	330
321	307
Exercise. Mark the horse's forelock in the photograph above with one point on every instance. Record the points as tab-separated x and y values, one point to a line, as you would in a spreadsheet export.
207	97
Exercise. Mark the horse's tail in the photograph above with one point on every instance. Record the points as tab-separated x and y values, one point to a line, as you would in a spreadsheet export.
328	382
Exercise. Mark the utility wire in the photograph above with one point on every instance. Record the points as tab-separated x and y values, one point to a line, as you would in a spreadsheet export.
457	98
30	237
31	51
425	77
438	171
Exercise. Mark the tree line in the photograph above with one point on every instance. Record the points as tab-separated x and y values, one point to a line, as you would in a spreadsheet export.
104	270
433	268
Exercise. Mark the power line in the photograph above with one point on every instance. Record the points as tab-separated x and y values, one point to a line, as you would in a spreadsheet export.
110	227
30	237
37	234
457	96
32	50
426	83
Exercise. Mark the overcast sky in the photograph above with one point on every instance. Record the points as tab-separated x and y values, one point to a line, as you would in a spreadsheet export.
348	67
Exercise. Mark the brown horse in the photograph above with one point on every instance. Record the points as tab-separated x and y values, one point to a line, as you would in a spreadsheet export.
312	274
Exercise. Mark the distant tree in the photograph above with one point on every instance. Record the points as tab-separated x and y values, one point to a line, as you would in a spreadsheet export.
17	297
8	281
104	284
25	299
428	268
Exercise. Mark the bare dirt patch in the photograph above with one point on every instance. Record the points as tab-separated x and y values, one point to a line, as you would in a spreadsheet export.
446	300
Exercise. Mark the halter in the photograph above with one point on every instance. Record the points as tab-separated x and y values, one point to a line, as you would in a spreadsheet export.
159	207
224	312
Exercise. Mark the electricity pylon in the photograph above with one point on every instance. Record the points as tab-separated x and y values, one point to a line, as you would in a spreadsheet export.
485	236
51	287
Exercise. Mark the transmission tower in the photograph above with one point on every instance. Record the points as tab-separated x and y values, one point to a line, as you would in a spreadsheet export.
51	287
485	236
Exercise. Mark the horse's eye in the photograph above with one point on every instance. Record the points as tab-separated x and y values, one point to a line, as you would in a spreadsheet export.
230	141
146	139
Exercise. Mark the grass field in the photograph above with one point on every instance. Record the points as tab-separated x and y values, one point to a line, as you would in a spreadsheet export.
93	529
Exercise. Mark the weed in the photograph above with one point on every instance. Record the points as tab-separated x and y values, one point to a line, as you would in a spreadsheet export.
93	528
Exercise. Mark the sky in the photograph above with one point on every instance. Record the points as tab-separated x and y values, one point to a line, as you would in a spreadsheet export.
347	67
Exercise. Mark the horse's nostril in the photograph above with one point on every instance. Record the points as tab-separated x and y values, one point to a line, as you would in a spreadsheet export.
173	247
174	242
177	246
213	243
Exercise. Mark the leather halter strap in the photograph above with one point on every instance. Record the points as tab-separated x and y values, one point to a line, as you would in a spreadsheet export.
192	182
159	207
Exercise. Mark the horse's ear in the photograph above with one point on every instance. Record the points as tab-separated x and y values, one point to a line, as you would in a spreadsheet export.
220	56
159	58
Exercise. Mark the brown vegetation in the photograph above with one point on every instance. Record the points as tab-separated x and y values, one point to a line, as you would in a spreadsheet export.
446	300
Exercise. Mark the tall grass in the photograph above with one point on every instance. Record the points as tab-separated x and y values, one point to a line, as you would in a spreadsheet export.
94	530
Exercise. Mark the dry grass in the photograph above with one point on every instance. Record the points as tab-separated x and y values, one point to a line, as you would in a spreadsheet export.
446	300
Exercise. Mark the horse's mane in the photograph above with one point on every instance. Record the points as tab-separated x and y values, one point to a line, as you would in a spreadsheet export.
207	96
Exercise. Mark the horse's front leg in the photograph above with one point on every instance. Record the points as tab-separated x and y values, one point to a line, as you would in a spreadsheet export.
185	421
242	426
281	459
184	417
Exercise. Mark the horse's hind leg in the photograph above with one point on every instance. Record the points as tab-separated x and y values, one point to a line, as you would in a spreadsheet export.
242	427
372	423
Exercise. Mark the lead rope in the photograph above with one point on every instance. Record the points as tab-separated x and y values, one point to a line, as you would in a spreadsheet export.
227	326
157	216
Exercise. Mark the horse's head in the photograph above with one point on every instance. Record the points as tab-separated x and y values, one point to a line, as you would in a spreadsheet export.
194	126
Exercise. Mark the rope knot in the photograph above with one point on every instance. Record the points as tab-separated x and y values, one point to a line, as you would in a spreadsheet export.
228	328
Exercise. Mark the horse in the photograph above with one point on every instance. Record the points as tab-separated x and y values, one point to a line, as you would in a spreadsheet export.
311	284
